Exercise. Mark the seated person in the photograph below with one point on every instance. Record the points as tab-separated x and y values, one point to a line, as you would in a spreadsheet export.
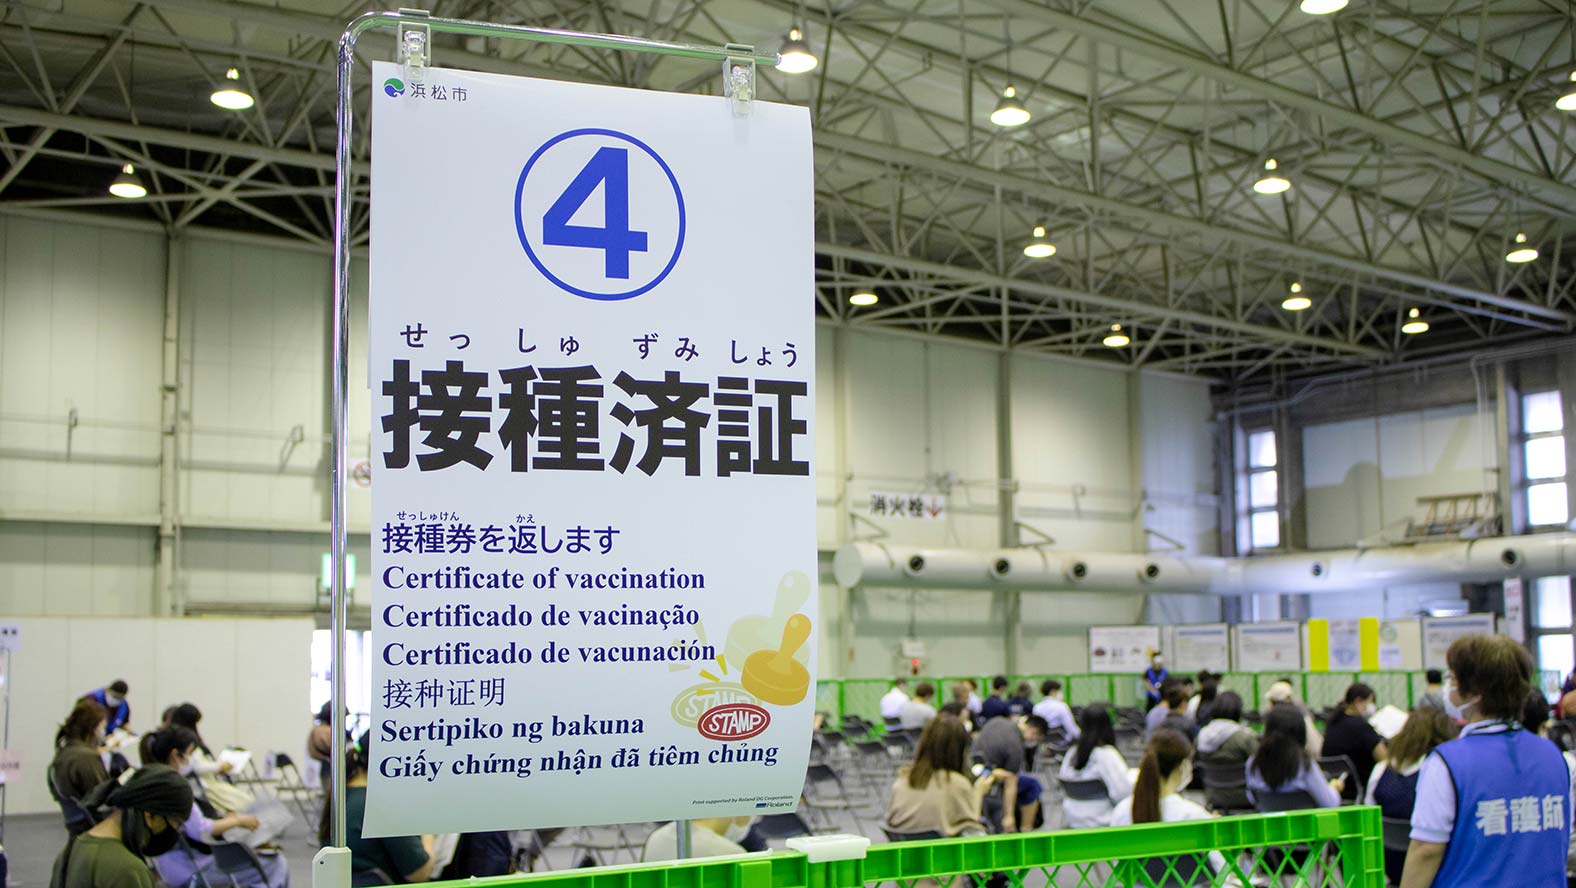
173	747
225	796
396	858
1156	798
999	743
709	837
919	710
1057	714
1021	703
1171	714
959	711
1350	734
1226	743
144	814
1282	691
1095	758
935	793
1393	786
481	854
77	767
1282	763
995	705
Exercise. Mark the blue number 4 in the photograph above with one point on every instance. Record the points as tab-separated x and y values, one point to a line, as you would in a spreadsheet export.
609	167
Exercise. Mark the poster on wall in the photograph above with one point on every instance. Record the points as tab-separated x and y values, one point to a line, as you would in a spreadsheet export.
1267	647
592	354
1200	646
1122	648
1345	645
1439	632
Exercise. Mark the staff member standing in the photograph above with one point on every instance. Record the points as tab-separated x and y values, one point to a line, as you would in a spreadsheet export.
1493	806
1153	677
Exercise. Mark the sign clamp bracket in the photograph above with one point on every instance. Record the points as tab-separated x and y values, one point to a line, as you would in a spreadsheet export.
413	30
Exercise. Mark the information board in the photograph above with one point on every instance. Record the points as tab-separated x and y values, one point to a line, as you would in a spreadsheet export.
1200	646
592	362
1439	632
1122	648
1267	647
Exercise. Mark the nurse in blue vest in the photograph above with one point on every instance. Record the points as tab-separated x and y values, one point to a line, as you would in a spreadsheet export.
113	698
1493	806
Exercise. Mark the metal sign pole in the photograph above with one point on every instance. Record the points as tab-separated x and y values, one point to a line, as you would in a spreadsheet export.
331	866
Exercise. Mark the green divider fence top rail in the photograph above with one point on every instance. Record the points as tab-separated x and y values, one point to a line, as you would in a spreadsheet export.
1333	847
862	696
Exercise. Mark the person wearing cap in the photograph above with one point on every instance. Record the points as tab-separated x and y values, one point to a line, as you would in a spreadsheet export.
1283	692
144	819
113	698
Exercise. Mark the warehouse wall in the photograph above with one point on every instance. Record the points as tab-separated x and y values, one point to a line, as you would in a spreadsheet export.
1097	454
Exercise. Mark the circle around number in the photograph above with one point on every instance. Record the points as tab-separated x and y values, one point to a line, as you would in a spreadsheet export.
519	221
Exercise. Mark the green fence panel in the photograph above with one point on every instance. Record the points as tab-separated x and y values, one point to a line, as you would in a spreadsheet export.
1244	685
1327	688
1344	847
862	697
1085	689
828	699
1390	688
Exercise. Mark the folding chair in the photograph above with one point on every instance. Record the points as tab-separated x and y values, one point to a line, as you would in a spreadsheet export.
593	842
198	880
1226	788
781	826
875	765
1336	764
235	859
825	794
292	785
894	835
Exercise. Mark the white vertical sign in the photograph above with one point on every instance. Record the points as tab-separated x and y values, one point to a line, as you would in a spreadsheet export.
1515	604
591	336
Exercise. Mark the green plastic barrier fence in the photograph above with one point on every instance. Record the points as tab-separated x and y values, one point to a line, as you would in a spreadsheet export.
862	696
1327	847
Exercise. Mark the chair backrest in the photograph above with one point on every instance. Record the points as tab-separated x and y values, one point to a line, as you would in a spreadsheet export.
833	737
281	760
782	826
822	774
1220	776
233	857
1086	790
1397	833
871	747
1175	873
1273	802
898	836
1332	765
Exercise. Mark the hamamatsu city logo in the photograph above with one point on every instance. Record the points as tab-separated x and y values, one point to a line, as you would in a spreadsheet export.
394	87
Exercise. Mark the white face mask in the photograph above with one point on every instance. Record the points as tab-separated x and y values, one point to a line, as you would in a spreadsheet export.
735	832
111	700
1369	709
1453	709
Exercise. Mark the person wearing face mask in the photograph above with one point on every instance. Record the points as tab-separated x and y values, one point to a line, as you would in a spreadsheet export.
1166	769
113	698
77	767
1493	806
174	747
1350	734
709	837
144	816
1153	677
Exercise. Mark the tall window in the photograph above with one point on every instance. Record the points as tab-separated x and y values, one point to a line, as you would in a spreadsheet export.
1258	494
1551	624
1543	455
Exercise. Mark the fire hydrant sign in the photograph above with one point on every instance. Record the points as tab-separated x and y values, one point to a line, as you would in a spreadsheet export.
592	346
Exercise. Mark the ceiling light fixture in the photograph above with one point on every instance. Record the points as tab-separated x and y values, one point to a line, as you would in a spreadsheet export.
1296	301
230	95
1116	338
795	56
1522	251
128	184
863	298
1271	182
1567	102
1414	323
1009	111
1039	247
1322	7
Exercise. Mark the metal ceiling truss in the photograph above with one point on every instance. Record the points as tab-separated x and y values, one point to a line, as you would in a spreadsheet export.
1418	144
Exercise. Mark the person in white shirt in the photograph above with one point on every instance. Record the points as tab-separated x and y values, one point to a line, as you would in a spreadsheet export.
709	837
892	703
1095	758
975	703
1167	767
918	712
1056	713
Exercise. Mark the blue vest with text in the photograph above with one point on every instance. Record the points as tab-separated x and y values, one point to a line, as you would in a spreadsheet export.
1512	826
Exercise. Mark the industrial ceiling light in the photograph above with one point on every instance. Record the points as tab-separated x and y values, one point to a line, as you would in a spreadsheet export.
1039	247
1567	102
795	56
1322	7
1009	111
1296	301
128	184
1414	323
1116	338
1271	182
1522	251
230	95
863	298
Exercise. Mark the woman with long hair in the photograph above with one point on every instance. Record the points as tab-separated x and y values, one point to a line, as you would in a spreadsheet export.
1166	769
1225	742
1095	758
1282	763
398	858
174	747
77	767
1349	733
935	793
220	792
1393	786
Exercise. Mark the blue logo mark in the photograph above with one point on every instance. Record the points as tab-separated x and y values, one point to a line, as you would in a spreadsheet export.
393	87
